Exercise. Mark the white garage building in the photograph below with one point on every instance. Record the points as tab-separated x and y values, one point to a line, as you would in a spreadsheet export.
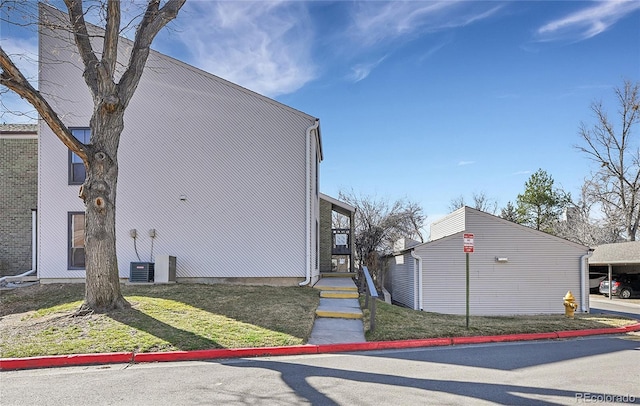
513	269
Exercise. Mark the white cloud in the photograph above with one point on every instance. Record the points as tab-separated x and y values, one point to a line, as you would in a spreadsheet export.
464	163
521	173
388	23
375	22
588	22
271	47
361	71
263	46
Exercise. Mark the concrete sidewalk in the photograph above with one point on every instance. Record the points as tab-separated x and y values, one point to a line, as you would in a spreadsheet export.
338	317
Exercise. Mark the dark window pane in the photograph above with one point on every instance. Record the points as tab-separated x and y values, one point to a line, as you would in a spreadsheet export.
76	240
76	166
77	173
77	257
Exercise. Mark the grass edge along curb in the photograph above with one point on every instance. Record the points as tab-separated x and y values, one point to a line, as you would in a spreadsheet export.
9	364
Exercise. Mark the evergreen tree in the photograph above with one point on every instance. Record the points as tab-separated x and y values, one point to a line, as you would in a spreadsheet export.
540	206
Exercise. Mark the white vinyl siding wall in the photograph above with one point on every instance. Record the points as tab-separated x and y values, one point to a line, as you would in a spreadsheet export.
402	275
239	159
540	270
451	224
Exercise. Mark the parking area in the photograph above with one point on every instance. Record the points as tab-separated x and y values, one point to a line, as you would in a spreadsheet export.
615	299
597	298
622	307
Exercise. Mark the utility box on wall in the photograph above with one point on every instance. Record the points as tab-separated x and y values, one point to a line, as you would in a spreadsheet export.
141	272
165	269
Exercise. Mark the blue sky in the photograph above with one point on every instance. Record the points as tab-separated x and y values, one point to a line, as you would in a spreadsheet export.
423	100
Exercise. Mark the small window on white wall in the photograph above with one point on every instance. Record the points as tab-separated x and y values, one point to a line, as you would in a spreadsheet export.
77	171
76	240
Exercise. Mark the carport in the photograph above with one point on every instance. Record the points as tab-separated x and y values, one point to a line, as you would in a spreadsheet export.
615	259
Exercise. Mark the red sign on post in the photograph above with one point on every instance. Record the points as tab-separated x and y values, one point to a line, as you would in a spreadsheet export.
467	243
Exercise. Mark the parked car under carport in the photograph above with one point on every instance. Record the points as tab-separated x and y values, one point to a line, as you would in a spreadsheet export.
624	286
615	260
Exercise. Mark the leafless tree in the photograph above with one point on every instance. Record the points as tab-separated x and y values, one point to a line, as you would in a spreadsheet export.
480	202
484	203
612	146
339	220
456	203
379	223
578	224
111	95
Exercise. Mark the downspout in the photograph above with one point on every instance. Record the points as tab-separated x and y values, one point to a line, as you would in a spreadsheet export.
308	194
413	254
584	290
34	240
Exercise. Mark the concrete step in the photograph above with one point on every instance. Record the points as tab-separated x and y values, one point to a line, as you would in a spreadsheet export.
339	294
336	284
339	314
338	274
339	308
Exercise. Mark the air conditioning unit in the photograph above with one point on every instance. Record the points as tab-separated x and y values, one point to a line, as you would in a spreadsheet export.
141	272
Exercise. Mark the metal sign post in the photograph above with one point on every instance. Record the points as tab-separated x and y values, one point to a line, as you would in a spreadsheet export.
467	240
467	254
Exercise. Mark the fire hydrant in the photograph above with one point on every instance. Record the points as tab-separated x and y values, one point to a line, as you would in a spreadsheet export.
570	305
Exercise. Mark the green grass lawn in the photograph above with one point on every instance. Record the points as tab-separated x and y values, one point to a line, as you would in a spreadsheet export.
41	320
399	323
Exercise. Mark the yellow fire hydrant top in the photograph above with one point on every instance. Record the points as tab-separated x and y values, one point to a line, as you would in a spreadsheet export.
570	305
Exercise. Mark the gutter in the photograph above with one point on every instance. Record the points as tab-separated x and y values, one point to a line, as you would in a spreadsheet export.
34	240
584	290
419	258
308	193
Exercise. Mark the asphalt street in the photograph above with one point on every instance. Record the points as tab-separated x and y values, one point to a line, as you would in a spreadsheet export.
561	372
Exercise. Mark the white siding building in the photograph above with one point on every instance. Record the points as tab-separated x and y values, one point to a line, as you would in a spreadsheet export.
513	269
227	178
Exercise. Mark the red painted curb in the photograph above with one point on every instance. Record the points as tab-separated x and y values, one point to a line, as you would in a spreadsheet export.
427	342
633	327
383	345
223	353
327	348
595	331
7	364
503	338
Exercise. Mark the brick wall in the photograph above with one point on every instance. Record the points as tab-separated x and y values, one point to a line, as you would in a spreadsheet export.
326	238
18	196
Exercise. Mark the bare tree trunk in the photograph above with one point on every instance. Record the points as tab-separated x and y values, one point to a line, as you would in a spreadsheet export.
99	194
110	101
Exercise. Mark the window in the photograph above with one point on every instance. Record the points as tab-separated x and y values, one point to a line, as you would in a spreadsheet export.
76	240
77	172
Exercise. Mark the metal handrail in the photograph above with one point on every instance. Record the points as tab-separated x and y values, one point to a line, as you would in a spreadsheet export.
370	290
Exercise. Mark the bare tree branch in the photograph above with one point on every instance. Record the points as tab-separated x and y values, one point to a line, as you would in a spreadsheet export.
12	78
616	181
81	36
154	19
